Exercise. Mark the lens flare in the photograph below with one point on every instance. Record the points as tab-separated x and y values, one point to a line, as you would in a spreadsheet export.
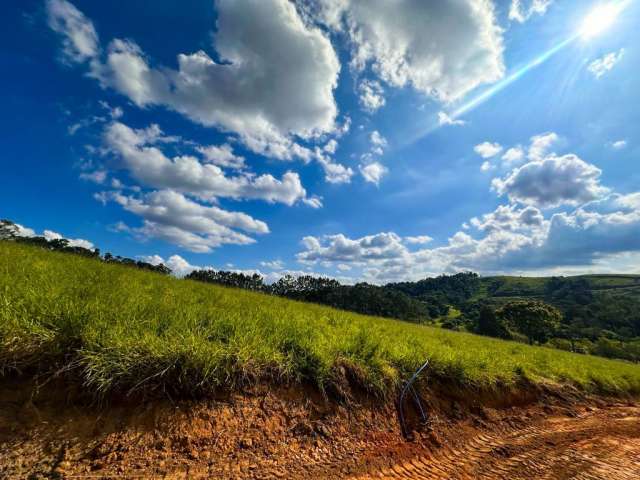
599	20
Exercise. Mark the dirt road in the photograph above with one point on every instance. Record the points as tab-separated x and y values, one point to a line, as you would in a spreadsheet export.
597	444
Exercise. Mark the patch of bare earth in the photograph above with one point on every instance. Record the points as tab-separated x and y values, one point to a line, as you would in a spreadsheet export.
296	434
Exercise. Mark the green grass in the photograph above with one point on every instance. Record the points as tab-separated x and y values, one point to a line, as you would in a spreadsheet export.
118	329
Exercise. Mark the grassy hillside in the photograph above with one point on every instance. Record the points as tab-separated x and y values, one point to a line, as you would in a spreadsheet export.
119	329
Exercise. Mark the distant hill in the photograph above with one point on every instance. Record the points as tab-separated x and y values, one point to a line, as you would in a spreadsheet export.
600	313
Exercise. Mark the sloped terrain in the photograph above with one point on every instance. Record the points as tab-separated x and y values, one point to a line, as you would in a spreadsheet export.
295	434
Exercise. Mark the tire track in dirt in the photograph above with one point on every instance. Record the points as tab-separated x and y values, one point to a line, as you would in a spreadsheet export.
595	445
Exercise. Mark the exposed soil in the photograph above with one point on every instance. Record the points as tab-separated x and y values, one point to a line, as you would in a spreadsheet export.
295	433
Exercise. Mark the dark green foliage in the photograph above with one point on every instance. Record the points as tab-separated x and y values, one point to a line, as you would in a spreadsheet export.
536	320
441	292
229	279
491	324
361	298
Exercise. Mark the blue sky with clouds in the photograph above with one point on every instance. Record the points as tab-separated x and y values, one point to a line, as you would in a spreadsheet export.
366	140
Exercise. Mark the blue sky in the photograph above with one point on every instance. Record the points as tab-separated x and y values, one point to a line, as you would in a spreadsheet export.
328	137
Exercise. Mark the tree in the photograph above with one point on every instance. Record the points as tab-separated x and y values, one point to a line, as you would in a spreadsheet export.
8	230
490	324
536	320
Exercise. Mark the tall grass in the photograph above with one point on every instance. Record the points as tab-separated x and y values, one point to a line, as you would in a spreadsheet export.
119	329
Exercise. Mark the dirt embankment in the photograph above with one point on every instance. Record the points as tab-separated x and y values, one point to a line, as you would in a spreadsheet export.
295	433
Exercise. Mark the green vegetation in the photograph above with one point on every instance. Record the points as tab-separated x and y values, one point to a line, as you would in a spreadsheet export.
117	329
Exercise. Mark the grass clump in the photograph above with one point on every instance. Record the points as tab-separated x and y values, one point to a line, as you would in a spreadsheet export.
119	329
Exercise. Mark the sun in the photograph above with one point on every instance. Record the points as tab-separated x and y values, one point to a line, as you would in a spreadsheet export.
600	19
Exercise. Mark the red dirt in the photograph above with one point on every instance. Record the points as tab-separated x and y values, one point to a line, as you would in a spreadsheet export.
294	433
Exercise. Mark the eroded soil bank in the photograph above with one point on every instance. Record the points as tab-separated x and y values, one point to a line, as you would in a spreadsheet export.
296	433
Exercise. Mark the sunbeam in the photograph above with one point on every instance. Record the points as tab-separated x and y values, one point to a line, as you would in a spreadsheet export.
600	18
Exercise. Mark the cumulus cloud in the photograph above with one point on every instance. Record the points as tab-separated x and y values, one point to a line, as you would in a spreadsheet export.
488	149
619	144
97	176
513	155
522	10
418	240
373	172
139	154
445	119
604	64
170	216
221	155
538	149
509	218
273	265
333	172
553	181
178	265
371	95
378	142
511	239
540	145
443	49
339	248
73	242
79	37
252	92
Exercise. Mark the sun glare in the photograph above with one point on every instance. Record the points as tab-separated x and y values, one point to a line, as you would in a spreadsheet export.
600	19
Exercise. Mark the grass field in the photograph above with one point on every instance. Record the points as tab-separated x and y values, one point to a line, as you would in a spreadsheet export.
119	329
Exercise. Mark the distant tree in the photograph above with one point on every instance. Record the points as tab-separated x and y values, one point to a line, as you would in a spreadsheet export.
536	320
491	324
8	230
230	279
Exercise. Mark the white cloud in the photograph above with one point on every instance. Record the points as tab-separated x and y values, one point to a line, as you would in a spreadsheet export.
178	265
345	250
539	148
513	239
443	49
170	216
79	37
553	181
371	95
445	119
22	231
373	172
619	144
148	164
273	265
509	218
418	240
486	166
540	145
221	155
333	172
521	11
513	155
602	65
331	146
97	176
488	149
378	141
253	92
73	242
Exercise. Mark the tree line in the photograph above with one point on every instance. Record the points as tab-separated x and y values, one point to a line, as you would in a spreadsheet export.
9	231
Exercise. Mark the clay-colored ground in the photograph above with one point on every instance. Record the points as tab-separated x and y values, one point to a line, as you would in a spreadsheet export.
297	435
